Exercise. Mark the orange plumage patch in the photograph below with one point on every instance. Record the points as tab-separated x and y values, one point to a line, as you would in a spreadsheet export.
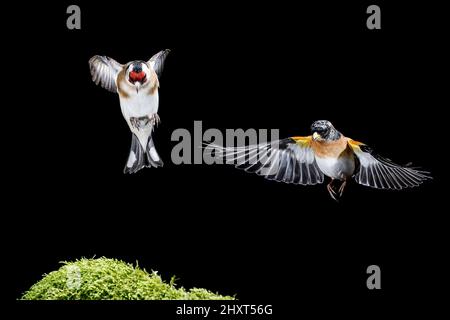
121	83
329	149
355	144
302	140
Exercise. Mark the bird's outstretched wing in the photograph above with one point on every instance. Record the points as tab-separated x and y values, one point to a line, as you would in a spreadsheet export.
157	61
288	160
104	72
377	172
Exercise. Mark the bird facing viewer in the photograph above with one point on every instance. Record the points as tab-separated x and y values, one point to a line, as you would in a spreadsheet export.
137	84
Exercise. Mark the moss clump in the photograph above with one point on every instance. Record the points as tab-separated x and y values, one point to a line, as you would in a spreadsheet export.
110	279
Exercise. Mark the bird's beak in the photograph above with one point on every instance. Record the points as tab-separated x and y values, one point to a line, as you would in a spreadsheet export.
138	86
316	136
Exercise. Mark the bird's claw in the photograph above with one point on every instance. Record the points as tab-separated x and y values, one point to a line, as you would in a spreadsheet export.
332	193
154	119
336	195
341	188
134	122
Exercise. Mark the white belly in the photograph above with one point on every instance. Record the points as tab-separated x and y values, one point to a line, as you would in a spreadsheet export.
139	105
336	168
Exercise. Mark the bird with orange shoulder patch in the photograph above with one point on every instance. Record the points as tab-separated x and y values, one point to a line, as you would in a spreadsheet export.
137	84
327	152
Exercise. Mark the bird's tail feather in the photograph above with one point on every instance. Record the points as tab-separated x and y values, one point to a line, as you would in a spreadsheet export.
138	158
153	158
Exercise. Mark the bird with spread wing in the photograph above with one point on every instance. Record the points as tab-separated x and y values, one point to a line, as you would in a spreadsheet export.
327	152
137	84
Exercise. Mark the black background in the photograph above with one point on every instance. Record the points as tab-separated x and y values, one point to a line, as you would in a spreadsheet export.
232	66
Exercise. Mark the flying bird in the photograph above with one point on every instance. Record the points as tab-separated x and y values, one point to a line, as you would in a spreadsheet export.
327	152
137	84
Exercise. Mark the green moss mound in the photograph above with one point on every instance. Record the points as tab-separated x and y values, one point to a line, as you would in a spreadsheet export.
110	279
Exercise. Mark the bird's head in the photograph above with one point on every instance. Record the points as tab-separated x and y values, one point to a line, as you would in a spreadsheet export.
323	130
137	73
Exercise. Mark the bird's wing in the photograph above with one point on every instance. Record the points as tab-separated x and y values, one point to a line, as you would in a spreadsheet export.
377	172
104	71
157	61
288	160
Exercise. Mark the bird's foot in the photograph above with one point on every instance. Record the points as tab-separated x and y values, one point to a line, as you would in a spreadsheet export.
135	122
342	187
142	122
154	119
331	191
